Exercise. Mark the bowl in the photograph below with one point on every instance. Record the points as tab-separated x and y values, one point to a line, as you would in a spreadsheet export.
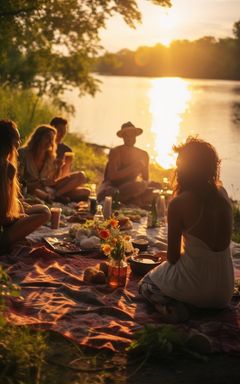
141	244
143	263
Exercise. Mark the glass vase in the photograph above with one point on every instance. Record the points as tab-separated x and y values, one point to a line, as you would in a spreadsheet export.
117	273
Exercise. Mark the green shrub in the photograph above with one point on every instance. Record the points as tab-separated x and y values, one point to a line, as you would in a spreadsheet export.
25	108
236	222
88	157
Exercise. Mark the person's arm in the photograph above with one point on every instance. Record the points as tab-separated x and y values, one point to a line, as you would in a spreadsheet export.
145	167
175	228
114	174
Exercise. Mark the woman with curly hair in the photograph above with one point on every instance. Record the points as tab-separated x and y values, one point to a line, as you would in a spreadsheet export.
199	269
40	170
14	223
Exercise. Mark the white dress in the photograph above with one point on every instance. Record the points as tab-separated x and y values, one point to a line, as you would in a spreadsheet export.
201	277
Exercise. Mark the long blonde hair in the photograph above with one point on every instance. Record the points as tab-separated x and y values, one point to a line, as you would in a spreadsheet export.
35	138
9	186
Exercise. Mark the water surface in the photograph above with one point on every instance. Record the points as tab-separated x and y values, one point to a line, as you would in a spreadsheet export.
168	110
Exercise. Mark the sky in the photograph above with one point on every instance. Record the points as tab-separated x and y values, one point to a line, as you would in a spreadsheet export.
186	19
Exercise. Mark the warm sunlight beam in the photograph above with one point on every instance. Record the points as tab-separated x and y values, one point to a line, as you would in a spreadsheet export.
168	20
169	99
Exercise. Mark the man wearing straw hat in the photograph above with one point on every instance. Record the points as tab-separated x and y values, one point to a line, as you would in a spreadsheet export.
127	169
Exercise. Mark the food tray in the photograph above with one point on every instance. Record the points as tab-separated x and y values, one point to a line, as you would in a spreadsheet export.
64	245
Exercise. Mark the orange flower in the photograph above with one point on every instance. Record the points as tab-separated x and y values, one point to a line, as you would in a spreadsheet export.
104	234
106	249
113	242
114	223
127	238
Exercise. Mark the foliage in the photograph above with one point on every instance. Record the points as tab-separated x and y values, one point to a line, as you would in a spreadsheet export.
21	354
25	108
7	289
88	157
157	173
51	45
169	342
236	222
236	30
206	58
160	340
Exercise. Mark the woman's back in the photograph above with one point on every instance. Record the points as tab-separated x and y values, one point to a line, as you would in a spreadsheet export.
209	220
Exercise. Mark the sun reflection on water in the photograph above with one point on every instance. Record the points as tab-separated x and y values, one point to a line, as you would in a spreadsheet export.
169	99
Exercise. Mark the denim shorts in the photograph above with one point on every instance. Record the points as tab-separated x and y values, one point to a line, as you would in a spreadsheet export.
152	293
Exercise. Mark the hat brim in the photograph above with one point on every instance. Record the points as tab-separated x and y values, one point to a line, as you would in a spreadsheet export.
136	131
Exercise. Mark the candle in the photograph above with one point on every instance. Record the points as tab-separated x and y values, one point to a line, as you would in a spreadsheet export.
107	207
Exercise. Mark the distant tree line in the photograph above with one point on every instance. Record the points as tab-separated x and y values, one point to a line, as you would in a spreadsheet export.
207	57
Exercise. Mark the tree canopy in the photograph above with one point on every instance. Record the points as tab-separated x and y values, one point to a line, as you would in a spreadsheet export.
51	45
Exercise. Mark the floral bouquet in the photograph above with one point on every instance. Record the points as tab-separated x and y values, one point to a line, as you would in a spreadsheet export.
115	245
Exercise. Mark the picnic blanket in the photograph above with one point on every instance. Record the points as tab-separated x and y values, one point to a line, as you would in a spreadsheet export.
56	298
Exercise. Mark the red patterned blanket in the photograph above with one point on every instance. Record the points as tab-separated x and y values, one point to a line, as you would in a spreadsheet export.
56	298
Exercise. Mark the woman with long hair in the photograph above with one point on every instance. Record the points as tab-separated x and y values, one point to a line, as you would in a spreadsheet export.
14	223
40	169
199	269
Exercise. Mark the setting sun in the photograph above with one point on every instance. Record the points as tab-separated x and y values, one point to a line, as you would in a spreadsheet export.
168	21
169	99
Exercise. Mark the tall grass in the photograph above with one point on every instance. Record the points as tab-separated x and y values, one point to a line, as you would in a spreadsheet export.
89	158
25	108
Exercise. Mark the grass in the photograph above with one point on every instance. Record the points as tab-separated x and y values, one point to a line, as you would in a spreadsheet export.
236	222
38	357
26	109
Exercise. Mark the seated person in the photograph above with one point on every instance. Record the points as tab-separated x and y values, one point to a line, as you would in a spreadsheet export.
64	152
127	169
40	171
14	224
199	216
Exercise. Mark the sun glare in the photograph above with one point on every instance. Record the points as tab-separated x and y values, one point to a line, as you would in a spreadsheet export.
169	99
168	20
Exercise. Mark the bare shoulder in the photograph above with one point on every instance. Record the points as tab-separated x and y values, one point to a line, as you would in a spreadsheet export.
142	153
223	193
224	198
180	202
115	151
175	204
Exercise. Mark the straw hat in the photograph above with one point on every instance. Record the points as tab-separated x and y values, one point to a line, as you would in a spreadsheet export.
129	127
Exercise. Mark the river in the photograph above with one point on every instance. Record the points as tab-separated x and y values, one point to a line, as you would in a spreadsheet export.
168	110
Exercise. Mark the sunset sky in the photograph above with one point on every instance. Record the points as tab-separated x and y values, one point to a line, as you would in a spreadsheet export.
187	19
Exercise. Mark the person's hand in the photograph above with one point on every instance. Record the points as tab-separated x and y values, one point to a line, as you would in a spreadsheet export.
50	193
60	163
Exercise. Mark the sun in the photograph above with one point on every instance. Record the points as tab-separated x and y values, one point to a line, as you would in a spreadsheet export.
168	21
169	100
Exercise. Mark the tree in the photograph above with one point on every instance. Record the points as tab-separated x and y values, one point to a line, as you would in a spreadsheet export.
51	45
236	30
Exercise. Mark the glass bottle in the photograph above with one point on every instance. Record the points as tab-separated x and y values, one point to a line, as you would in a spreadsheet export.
92	199
99	214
